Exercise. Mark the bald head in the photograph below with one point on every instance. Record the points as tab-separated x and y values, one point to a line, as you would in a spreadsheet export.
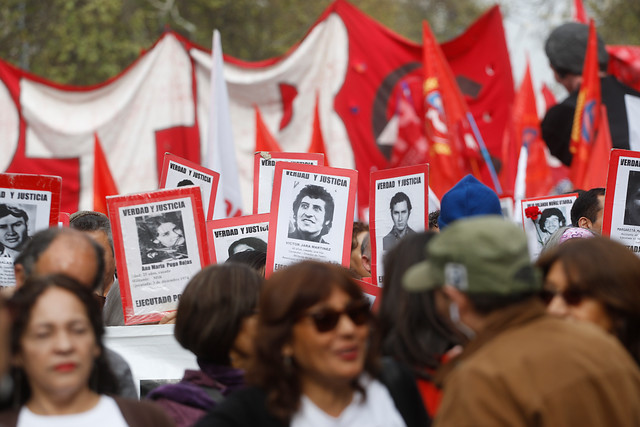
61	251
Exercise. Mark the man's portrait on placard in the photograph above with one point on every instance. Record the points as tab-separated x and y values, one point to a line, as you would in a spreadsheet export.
400	211
632	202
14	229
247	244
161	237
184	183
312	214
549	222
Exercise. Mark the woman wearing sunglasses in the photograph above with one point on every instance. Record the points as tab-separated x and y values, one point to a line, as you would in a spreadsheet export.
60	376
314	359
598	281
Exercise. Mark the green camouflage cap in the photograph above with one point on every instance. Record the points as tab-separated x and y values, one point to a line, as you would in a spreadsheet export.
479	255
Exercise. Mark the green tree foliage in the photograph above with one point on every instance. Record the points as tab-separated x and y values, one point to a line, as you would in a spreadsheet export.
617	20
84	42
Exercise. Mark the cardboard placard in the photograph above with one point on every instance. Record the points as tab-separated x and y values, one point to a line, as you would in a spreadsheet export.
28	204
178	172
232	235
159	243
621	217
311	215
399	206
372	292
264	167
543	216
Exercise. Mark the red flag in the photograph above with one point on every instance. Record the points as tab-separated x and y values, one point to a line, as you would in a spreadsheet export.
264	140
549	98
453	151
317	141
579	14
598	163
103	183
410	147
587	116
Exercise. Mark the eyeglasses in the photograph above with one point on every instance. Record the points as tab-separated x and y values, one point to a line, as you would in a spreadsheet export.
571	296
327	319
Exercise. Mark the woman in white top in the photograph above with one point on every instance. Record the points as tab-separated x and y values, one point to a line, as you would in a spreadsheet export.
57	354
315	363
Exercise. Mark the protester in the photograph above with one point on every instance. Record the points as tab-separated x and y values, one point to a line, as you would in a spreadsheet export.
61	374
74	254
216	322
521	366
566	49
315	362
433	221
359	231
595	280
365	257
469	197
97	226
565	233
411	331
588	209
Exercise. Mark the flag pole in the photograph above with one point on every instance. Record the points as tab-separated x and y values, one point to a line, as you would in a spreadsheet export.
485	153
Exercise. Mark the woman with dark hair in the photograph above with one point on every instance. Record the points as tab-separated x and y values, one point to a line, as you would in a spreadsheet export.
57	351
315	359
216	321
595	280
412	331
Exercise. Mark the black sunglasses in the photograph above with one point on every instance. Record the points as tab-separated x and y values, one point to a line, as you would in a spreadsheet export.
326	319
571	296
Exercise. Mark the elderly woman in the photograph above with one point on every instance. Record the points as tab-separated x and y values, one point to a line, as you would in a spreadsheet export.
216	321
315	363
57	351
595	280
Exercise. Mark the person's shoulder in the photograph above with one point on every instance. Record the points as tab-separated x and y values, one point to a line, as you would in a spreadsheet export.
246	407
142	413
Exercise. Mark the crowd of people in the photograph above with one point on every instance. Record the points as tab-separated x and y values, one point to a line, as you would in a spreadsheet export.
468	329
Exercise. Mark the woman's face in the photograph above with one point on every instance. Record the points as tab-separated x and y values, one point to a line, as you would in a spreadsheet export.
332	358
573	304
58	346
169	235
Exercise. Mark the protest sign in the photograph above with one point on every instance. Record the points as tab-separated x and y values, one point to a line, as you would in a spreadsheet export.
232	235
507	204
63	219
371	292
311	215
543	216
159	243
28	203
621	217
179	172
399	206
264	167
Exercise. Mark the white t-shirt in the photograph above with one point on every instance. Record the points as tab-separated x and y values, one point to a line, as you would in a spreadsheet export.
105	414
378	410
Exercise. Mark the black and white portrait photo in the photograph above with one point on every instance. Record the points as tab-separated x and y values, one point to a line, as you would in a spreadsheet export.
550	221
247	244
161	237
632	202
312	214
400	211
14	230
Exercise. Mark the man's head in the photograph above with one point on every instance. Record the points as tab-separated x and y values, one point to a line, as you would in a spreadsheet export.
359	231
64	251
566	49
400	207
313	211
469	197
13	227
97	226
588	209
365	249
482	264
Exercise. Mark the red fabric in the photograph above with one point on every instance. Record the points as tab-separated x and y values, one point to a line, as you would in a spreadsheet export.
549	98
579	14
587	116
431	396
410	147
103	183
598	163
317	141
624	64
264	140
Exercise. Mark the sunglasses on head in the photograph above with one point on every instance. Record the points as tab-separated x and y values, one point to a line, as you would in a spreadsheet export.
571	296
327	319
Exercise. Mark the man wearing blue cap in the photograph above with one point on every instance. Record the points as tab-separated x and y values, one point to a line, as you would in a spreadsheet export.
521	366
469	197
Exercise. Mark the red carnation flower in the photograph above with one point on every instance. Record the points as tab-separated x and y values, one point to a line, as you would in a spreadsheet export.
532	212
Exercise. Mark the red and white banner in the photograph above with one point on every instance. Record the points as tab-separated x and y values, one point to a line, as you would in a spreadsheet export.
161	103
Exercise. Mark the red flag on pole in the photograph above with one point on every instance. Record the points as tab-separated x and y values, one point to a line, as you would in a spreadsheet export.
103	183
410	147
598	164
549	98
317	141
264	140
587	117
579	14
